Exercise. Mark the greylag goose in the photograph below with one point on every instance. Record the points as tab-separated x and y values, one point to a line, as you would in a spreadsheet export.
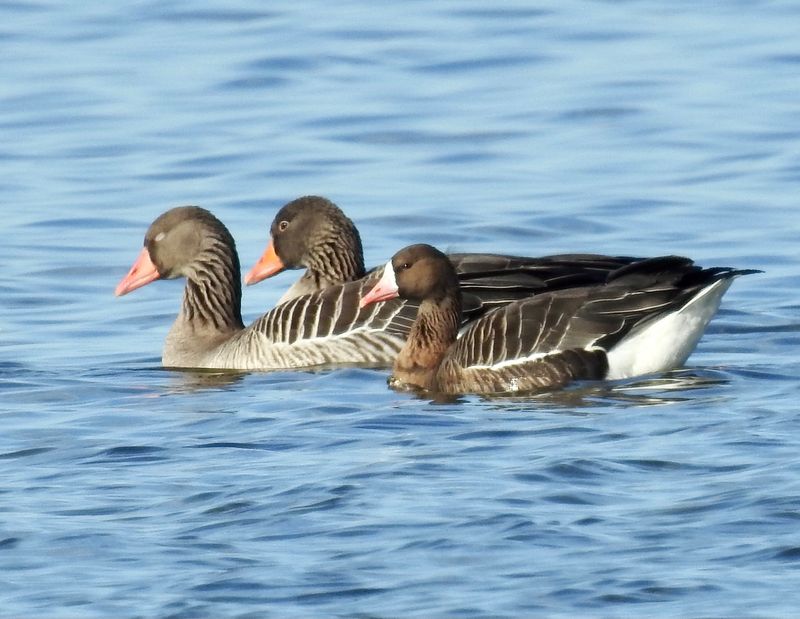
313	233
320	328
647	317
317	329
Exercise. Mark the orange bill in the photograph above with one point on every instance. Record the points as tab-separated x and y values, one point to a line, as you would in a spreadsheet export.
268	265
142	273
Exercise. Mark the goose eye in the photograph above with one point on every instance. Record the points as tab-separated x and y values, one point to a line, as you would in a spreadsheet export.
159	237
404	266
283	225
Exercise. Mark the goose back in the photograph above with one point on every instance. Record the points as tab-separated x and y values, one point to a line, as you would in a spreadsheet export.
312	232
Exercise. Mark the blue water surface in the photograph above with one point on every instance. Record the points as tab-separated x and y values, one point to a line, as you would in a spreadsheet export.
639	128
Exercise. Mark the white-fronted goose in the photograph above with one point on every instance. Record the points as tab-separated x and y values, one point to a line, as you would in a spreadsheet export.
646	318
313	233
324	327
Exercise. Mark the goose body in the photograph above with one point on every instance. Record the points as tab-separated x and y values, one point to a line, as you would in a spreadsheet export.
313	330
313	233
647	317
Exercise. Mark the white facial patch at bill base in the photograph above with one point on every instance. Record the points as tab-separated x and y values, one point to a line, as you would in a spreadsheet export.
385	289
388	279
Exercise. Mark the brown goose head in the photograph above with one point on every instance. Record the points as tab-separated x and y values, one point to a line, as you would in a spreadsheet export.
175	245
311	232
417	273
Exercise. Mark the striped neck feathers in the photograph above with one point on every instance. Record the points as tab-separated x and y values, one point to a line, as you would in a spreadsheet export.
336	257
212	297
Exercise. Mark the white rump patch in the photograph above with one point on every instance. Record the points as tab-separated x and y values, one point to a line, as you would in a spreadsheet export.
667	342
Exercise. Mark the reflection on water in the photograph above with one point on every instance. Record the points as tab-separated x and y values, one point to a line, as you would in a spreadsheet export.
658	390
670	388
188	381
675	381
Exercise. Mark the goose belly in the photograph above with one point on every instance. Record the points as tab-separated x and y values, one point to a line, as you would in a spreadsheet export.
357	347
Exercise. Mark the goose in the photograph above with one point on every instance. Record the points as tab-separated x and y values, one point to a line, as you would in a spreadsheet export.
646	318
312	232
323	327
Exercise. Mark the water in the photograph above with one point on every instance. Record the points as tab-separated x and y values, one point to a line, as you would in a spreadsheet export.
638	127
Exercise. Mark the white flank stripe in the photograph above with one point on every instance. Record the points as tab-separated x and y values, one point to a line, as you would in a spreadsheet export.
288	319
510	362
315	328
